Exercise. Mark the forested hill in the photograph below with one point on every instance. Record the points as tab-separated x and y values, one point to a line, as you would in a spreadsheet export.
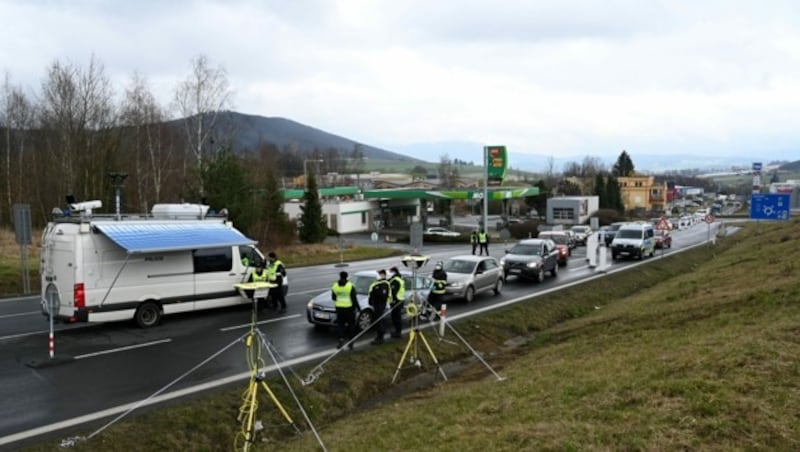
250	132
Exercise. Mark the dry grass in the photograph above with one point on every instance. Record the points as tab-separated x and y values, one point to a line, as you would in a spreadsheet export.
697	351
11	263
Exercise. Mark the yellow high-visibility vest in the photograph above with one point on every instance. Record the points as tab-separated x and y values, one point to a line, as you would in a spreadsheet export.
401	291
342	295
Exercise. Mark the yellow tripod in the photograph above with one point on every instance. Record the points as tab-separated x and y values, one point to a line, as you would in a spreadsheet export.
247	412
413	344
254	344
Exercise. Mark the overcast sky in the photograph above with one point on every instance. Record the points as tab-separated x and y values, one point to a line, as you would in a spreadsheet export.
555	77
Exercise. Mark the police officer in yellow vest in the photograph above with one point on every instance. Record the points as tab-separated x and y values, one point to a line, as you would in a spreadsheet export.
398	287
483	241
439	289
276	272
259	275
343	294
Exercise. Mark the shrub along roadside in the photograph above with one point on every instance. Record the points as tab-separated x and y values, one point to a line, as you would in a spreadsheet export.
685	352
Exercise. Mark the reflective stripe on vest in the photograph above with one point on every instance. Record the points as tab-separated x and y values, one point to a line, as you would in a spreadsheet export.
273	269
343	295
388	288
401	290
439	286
260	278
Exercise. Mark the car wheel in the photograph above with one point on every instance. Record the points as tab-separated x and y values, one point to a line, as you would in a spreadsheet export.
498	286
505	275
364	319
554	271
669	245
540	275
148	314
469	295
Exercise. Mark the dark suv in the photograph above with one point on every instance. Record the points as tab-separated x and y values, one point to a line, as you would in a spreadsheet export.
531	258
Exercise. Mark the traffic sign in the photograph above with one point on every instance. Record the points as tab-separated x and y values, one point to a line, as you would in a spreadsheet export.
709	218
756	166
770	206
663	224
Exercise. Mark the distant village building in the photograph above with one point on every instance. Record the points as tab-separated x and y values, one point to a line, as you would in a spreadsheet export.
643	192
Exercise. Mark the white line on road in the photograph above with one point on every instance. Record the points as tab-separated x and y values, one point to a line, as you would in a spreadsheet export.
247	325
31	333
578	268
122	349
19	314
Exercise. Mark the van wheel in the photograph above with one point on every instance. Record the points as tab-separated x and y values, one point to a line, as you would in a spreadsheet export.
148	314
469	295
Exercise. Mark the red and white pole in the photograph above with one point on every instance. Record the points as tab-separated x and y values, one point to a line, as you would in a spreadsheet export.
51	345
442	320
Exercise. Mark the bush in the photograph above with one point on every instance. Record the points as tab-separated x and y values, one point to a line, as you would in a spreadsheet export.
524	230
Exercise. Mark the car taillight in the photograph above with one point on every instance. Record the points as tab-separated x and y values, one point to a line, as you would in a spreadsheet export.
79	296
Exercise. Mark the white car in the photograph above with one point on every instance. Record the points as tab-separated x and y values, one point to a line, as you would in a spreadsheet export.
444	232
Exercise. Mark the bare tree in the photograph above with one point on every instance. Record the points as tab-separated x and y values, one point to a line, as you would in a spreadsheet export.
77	116
142	114
16	117
199	99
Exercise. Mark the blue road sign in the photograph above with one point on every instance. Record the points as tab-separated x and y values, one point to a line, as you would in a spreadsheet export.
773	206
756	166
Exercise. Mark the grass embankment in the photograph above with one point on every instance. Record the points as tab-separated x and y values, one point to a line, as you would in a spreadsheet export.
695	351
292	256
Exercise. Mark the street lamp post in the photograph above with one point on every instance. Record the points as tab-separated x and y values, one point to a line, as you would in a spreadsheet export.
305	168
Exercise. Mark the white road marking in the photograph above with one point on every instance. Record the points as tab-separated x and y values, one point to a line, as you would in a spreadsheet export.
247	325
14	336
574	269
122	349
19	314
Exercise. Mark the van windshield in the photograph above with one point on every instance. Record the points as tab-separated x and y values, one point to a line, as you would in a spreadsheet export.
629	233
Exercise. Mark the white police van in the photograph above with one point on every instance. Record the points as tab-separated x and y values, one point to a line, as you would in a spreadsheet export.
635	240
178	258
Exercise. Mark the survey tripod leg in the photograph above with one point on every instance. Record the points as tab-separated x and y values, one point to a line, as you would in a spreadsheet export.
413	336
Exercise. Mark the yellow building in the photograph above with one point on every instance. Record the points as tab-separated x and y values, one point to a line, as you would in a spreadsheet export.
642	192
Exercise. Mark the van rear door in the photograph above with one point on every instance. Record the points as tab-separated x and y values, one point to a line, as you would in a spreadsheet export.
59	270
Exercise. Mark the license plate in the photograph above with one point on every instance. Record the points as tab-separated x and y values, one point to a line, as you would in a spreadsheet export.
322	315
514	270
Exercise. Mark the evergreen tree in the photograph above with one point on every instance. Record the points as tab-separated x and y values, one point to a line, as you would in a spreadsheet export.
600	191
613	194
313	228
226	186
276	223
624	166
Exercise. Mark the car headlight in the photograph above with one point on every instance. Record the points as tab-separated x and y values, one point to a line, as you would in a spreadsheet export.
533	264
502	261
456	285
310	304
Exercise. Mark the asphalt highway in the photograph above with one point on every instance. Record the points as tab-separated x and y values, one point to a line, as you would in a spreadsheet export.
101	371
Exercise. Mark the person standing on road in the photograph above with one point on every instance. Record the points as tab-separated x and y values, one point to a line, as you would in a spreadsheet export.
398	287
277	272
343	294
473	240
259	275
483	241
379	296
439	289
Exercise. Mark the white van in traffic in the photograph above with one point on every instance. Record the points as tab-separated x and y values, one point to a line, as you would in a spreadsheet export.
99	268
634	240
